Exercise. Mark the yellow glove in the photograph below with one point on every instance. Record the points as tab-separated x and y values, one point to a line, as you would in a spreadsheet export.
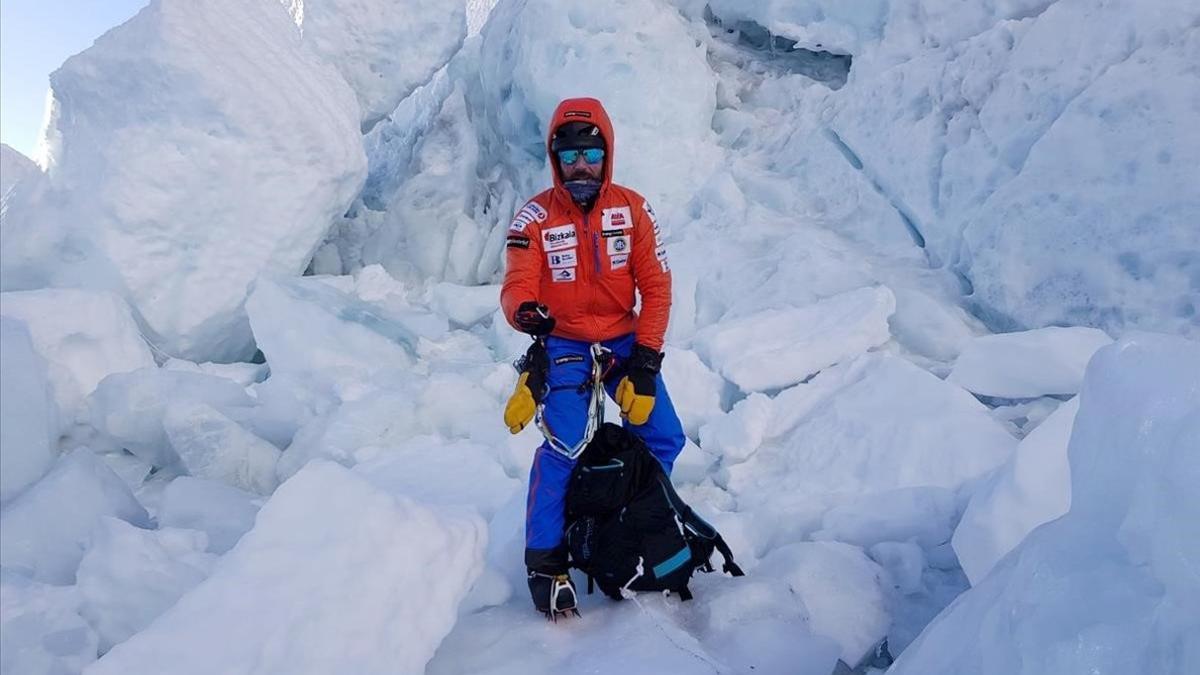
531	385
636	391
521	406
635	407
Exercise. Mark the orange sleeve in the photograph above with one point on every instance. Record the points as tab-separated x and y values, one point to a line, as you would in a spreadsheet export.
523	266
652	275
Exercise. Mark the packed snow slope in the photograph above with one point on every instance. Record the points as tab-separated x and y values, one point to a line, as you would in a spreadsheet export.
903	234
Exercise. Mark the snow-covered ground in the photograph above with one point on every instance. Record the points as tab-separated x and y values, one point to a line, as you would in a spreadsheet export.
904	237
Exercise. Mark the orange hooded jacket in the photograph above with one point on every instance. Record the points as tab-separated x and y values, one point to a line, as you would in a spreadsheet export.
585	266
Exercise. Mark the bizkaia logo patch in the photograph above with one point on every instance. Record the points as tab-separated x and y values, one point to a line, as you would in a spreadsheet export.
558	238
618	245
530	213
616	219
564	259
567	274
618	261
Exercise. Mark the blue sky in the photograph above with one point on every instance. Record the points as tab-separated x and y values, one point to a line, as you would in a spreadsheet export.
36	36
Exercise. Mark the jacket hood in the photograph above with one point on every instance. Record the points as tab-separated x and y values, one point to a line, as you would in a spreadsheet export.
582	110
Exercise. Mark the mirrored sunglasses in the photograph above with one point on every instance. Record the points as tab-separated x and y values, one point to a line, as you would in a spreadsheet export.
590	155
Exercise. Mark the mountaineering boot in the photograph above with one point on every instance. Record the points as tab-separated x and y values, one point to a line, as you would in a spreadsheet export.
553	594
550	584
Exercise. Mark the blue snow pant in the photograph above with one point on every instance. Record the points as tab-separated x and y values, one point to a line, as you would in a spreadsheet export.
566	413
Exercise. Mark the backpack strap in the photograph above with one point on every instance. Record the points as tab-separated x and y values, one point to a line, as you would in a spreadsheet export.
729	566
591	584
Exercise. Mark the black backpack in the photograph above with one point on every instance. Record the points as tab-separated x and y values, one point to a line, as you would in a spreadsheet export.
626	525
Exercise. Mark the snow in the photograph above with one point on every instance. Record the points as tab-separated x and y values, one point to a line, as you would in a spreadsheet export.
839	586
14	168
1037	147
845	236
129	409
840	27
84	336
43	532
583	49
418	469
383	48
314	333
465	306
449	404
222	512
859	427
210	445
1027	364
696	391
28	414
41	630
1110	586
777	348
373	584
1034	487
184	162
129	576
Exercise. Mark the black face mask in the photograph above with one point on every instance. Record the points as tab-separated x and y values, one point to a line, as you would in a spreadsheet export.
584	191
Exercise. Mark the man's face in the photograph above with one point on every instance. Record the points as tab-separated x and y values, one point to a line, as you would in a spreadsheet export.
580	168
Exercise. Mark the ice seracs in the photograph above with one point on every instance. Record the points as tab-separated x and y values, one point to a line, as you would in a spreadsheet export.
372	585
1111	585
383	48
188	163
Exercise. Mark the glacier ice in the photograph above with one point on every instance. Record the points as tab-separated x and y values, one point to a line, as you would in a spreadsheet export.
383	48
128	409
129	576
1027	364
776	348
43	532
210	445
224	513
83	335
372	585
1110	586
28	413
183	162
1032	488
41	630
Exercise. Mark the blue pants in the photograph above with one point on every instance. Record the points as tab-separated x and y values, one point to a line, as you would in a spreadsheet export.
566	412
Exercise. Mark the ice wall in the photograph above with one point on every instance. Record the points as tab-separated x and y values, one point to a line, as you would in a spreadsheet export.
191	148
1111	586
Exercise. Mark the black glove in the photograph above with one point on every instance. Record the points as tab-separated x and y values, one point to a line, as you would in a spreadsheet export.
534	319
636	391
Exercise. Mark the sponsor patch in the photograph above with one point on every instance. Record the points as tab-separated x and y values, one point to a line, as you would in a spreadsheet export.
565	274
665	266
618	261
615	220
650	212
568	358
560	237
577	113
530	213
517	242
618	245
563	259
660	253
